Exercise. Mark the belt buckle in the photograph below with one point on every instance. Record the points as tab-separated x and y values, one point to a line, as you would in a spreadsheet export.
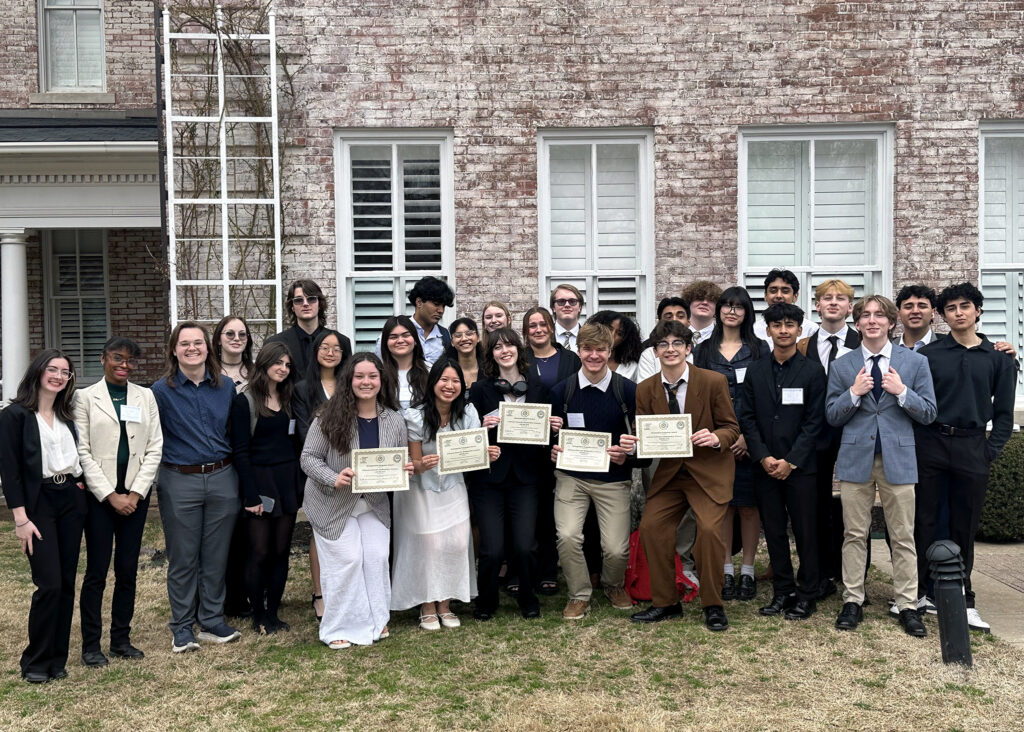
948	430
206	468
59	478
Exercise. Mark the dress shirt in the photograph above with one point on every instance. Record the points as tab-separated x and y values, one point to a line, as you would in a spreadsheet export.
883	365
194	418
929	336
806	331
602	385
681	392
560	334
433	342
699	336
825	345
58	449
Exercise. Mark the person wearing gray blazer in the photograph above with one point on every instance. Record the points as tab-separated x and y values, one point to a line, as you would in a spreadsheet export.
875	394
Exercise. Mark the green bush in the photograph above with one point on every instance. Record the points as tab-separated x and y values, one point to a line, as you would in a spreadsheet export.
1002	518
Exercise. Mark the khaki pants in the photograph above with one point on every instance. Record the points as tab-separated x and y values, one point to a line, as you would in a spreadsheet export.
898	505
611	502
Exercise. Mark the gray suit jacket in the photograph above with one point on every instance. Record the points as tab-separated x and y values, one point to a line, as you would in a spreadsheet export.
863	423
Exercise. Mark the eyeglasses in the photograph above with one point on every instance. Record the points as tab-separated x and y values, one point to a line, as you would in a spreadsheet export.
330	350
308	300
232	335
678	345
563	301
733	308
118	360
63	373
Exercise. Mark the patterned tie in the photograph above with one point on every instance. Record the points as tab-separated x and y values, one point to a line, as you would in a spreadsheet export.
567	335
673	401
833	351
876	376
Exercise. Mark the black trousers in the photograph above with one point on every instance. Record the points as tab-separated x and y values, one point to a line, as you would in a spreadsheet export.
108	533
779	503
236	597
59	516
495	505
547	548
957	467
828	516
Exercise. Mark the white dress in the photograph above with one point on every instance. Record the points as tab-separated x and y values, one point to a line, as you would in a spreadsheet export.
433	553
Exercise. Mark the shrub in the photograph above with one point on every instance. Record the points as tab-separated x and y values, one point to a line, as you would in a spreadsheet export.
1002	518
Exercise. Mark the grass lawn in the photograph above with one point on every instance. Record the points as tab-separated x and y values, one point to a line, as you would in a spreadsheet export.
601	673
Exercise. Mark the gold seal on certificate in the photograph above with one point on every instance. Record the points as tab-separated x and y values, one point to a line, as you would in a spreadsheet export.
584	451
380	469
524	424
664	436
462	450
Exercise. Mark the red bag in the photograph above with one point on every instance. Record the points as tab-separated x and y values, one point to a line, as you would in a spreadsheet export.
638	576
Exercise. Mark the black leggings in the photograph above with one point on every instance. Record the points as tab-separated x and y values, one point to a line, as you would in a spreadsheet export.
266	567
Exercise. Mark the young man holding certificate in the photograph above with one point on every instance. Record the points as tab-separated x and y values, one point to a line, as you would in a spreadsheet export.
703	482
594	400
781	413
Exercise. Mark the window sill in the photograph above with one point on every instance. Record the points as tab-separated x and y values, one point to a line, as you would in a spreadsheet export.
71	98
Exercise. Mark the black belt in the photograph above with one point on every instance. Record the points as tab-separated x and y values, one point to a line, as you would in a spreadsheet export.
950	431
204	468
59	480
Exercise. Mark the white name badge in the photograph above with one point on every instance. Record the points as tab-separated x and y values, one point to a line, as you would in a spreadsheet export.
792	396
291	426
575	420
131	413
741	375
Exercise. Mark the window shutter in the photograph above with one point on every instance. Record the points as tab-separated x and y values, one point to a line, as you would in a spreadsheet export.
777	210
373	302
844	219
421	203
570	220
617	293
79	305
372	234
617	207
1003	232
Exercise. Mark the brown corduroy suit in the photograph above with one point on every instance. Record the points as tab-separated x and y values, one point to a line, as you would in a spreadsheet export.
703	482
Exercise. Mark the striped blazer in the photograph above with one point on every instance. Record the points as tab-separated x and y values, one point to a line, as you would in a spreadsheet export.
327	507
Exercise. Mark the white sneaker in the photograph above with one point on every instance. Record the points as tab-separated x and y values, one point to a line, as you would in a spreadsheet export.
925	605
974	621
690	575
894	610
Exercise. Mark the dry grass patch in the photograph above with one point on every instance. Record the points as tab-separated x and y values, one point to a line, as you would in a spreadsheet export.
600	673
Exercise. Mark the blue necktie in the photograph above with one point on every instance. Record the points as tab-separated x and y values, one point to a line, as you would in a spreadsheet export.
876	376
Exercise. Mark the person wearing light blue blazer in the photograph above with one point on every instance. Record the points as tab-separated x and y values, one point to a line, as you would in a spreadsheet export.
876	393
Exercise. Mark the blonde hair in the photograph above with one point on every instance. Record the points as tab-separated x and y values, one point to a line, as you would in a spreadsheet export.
839	286
593	335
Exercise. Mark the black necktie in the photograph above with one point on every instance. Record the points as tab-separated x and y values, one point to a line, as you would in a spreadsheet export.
833	351
673	401
876	376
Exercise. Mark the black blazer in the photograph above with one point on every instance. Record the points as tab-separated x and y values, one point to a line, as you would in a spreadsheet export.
521	461
301	355
21	457
568	363
774	429
829	436
306	399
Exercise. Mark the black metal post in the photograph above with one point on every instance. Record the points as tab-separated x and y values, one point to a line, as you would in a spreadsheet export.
947	570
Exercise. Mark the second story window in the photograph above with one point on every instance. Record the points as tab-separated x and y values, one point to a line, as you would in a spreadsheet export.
71	45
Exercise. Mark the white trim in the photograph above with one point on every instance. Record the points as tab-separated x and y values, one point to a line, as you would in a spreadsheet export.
77	148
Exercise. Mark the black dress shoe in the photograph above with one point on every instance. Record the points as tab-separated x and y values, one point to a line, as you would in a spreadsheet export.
779	604
531	612
36	677
748	588
849	617
802	610
826	588
912	624
657	614
714	618
59	674
127	650
729	588
94	659
483	615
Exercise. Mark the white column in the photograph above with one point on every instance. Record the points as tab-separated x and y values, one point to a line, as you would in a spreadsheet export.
14	304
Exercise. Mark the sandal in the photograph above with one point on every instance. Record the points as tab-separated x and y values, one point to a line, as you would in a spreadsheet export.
548	587
384	633
337	645
429	622
449	620
312	602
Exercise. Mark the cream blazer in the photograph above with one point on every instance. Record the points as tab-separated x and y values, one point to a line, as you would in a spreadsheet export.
99	432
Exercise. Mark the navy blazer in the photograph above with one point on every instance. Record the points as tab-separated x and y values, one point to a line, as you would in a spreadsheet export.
21	456
786	431
521	461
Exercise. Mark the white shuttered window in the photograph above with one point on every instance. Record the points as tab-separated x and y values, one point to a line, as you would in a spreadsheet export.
818	204
596	219
1002	236
71	45
77	320
395	223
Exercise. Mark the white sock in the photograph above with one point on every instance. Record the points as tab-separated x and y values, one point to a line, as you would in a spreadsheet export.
747	569
729	569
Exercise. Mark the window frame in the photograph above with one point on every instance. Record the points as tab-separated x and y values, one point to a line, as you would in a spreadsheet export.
44	50
884	137
50	296
402	278
645	272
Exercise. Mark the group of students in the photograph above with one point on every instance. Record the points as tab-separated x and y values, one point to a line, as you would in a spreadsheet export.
236	445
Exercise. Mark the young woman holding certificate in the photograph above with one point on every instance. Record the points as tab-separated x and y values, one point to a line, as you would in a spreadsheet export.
352	530
433	556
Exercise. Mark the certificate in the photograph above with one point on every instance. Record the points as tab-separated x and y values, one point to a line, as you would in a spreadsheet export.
584	451
524	424
462	450
664	436
380	469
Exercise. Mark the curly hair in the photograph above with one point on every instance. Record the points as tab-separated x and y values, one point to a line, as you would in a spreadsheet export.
338	414
630	344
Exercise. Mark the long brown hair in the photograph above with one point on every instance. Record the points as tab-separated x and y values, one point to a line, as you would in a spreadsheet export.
247	363
338	414
259	384
212	364
28	389
509	336
418	372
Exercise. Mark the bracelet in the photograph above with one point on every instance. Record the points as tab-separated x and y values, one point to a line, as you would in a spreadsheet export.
18	526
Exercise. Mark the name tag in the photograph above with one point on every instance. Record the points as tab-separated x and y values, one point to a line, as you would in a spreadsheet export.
131	413
741	375
575	420
792	396
291	428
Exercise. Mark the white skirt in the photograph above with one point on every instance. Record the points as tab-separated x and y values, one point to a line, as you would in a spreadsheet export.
354	580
